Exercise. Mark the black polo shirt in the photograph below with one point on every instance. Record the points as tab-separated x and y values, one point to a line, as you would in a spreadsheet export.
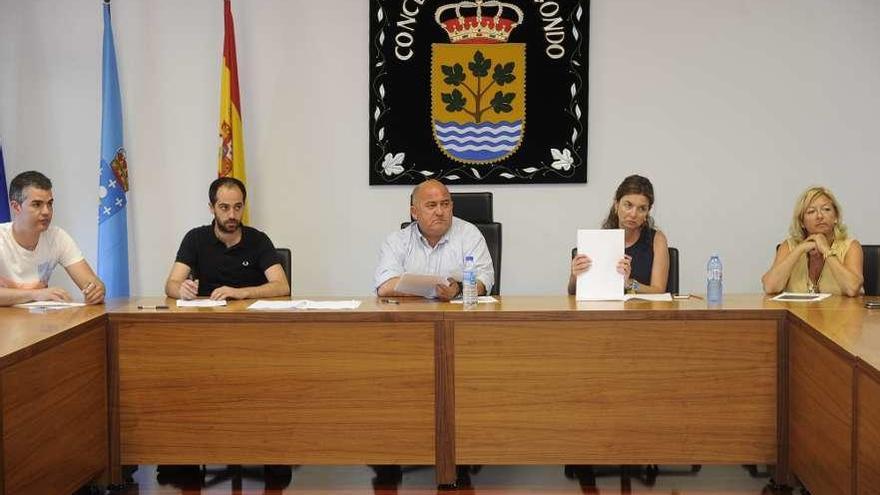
214	265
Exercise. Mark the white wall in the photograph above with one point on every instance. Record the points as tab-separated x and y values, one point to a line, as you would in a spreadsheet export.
731	107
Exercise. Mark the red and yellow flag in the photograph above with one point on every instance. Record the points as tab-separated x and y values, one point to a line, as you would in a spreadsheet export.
231	162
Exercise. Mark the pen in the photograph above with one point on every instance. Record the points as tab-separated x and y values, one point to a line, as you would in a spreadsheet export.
390	301
152	306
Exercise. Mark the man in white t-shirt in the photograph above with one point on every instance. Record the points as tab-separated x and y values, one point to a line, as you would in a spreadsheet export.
30	248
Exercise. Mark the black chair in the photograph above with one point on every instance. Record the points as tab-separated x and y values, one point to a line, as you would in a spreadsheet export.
871	269
672	278
492	233
285	255
476	208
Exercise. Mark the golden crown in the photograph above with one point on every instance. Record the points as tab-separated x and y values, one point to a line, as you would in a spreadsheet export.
472	24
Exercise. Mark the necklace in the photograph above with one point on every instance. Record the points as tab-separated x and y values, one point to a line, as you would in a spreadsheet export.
814	265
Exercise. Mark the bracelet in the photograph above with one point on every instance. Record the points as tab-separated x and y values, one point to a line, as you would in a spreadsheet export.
632	287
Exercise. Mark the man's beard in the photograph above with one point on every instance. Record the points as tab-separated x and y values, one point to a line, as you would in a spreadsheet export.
227	229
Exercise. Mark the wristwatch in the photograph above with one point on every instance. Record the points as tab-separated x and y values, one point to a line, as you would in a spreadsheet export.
634	286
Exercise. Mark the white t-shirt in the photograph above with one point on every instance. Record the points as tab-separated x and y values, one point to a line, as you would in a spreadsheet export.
23	269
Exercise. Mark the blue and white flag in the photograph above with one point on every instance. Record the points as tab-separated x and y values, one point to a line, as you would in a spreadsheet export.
4	192
113	186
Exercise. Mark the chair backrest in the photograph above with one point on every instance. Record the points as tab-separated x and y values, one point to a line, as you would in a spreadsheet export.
475	207
672	278
284	254
492	233
871	269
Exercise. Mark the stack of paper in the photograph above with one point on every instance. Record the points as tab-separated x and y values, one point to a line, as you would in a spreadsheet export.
649	297
305	304
49	305
800	297
200	303
480	300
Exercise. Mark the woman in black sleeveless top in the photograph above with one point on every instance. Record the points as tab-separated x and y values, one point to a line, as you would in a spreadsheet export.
645	265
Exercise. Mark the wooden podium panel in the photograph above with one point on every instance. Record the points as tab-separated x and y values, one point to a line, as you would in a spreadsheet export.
632	391
821	414
54	407
275	392
868	431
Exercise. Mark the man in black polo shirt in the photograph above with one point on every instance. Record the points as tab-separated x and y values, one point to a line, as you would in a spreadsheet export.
226	260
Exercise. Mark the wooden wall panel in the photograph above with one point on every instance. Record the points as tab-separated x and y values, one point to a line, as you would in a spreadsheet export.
291	393
821	422
630	392
868	432
55	416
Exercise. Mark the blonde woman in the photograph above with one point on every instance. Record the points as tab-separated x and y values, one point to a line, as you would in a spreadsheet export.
818	255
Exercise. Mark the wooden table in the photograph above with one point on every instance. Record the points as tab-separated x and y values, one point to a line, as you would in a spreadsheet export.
227	385
529	380
553	381
835	396
53	400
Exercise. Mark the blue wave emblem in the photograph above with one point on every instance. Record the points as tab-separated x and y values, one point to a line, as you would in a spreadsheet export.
478	143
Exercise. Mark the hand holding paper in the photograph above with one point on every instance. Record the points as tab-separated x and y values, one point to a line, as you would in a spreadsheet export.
603	280
419	285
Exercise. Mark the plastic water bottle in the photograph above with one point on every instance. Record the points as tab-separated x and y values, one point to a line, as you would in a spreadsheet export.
713	279
469	283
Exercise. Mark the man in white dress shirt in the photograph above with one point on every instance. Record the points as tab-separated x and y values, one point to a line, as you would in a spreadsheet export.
30	248
436	243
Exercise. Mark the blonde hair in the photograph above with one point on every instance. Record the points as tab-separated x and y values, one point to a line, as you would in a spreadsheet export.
797	232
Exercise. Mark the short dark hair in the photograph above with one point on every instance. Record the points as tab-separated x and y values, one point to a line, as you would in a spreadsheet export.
22	181
225	182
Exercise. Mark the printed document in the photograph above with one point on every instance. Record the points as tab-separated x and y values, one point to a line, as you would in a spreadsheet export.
602	282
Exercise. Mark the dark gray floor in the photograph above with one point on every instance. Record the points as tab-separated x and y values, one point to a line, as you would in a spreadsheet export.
494	480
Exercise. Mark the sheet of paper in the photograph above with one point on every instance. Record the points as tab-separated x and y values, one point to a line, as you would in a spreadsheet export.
200	303
799	297
649	297
480	300
419	285
601	282
263	304
50	305
349	304
305	304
